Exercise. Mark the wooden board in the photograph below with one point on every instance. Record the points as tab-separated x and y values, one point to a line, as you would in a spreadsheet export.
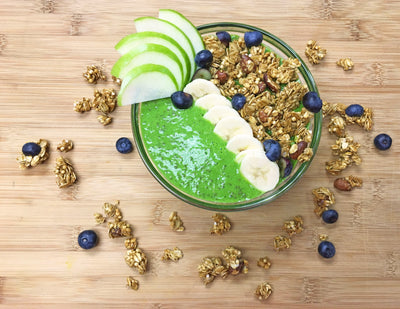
45	48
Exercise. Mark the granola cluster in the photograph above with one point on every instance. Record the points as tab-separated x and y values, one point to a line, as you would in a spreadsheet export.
270	84
345	63
64	172
263	291
32	161
346	149
172	254
232	263
291	227
264	262
221	225
132	283
176	222
323	199
93	74
65	145
314	52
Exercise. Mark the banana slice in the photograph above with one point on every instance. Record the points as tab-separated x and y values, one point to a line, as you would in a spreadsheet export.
200	87
218	112
241	142
231	126
241	155
260	171
210	100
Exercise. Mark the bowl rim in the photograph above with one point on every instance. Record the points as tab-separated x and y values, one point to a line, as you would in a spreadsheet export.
260	200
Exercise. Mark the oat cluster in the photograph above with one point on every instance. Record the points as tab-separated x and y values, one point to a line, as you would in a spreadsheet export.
176	222
345	63
346	151
291	227
323	199
172	254
221	224
263	291
314	52
232	263
132	283
65	145
32	161
64	172
93	74
270	84
347	183
264	262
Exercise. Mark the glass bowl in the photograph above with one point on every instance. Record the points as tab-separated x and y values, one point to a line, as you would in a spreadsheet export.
282	50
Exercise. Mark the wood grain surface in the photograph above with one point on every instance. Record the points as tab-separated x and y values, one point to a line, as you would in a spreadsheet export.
44	48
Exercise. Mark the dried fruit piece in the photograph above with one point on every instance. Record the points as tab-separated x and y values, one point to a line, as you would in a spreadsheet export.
263	291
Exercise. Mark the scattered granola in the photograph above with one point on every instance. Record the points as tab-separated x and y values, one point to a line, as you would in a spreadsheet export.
105	100
263	291
84	105
264	262
64	172
221	224
65	145
176	222
104	120
345	63
136	258
32	161
294	226
93	74
132	283
282	242
323	198
314	52
235	263
347	183
347	151
119	229
172	254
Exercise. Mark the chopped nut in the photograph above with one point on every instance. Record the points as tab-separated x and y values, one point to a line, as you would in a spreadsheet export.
347	183
323	198
131	243
65	145
263	291
172	254
176	222
29	161
314	52
136	258
264	262
93	74
282	242
297	149
221	224
294	226
132	283
345	63
64	172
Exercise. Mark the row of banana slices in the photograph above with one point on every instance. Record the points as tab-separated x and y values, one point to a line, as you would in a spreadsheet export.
230	126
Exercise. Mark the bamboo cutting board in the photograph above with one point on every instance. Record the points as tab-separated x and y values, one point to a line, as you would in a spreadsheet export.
44	48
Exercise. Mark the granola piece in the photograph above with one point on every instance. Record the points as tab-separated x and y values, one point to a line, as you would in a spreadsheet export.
112	211
282	242
210	268
131	243
314	52
132	283
65	145
323	237
221	224
136	258
347	150
365	121
104	119
93	74
323	198
172	254
347	183
235	263
294	226
117	80
176	222
84	105
105	100
99	218
119	229
64	172
286	72
263	291
337	126
264	262
345	63
306	155
32	161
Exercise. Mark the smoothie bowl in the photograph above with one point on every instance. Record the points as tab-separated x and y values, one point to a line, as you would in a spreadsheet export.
201	153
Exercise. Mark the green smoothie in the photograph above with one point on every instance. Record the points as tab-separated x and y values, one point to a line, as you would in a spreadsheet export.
183	147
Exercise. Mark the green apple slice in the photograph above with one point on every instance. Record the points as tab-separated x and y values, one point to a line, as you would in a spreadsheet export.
130	42
165	27
145	83
185	25
149	53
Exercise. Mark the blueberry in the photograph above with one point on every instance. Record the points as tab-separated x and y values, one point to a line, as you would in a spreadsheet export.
182	100
354	110
285	167
224	37
312	102
253	38
330	216
383	141
326	249
31	149
202	73
203	58
272	149
87	239
238	101
124	145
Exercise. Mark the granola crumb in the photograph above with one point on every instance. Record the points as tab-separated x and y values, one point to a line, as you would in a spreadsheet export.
176	222
64	172
294	226
314	52
323	198
65	145
263	291
221	224
93	74
83	105
132	283
282	242
345	63
264	262
172	254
